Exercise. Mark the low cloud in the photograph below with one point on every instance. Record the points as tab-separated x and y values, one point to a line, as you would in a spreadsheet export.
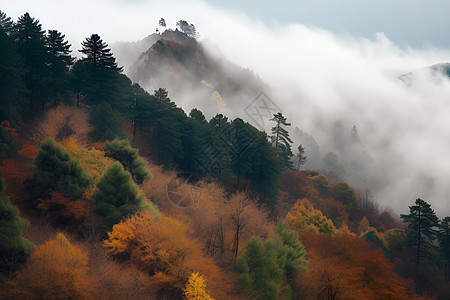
316	77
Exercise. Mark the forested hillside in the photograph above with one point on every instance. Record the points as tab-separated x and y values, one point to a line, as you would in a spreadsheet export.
110	191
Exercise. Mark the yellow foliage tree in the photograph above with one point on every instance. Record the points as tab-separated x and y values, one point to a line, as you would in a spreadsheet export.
196	288
57	270
94	162
161	248
363	225
303	216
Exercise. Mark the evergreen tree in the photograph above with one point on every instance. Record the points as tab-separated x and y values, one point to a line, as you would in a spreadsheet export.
268	270
219	121
105	73
300	157
121	151
265	170
422	221
167	125
281	140
98	55
54	170
12	85
7	143
30	43
187	28
14	248
354	136
195	134
444	244
117	196
80	77
58	62
6	24
106	122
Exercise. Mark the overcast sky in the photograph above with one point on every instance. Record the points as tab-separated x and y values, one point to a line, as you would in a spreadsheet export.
415	23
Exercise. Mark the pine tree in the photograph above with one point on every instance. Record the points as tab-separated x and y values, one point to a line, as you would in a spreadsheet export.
422	221
444	244
265	170
105	85
12	84
6	24
54	170
29	40
117	196
267	270
58	62
98	55
300	157
281	140
167	124
14	248
121	151
106	122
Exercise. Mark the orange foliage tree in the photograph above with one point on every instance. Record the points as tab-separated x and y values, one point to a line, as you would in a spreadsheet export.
347	267
161	249
57	270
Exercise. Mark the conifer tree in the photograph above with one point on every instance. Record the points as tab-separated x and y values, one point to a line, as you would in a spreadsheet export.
281	140
12	84
29	40
6	24
444	244
117	196
14	248
105	85
300	158
167	124
54	170
106	122
422	222
121	151
58	62
267	270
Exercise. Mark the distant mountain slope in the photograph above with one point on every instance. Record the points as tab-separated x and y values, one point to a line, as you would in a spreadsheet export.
441	69
191	74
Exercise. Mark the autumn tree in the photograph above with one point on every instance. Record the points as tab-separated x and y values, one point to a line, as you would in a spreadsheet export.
347	267
161	248
118	196
54	170
121	151
14	248
57	270
422	222
63	123
281	140
196	288
303	216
